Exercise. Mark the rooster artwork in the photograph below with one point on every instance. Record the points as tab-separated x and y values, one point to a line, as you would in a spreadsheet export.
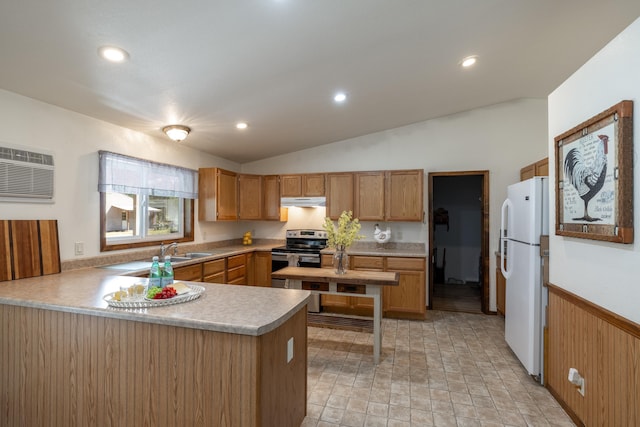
587	173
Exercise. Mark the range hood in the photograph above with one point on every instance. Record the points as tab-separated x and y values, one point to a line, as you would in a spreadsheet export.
303	202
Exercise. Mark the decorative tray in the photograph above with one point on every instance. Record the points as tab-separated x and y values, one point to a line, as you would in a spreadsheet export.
194	293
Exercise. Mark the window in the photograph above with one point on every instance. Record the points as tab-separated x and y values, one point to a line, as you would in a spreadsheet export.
143	202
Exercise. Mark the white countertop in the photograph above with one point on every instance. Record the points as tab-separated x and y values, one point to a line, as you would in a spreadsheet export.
245	310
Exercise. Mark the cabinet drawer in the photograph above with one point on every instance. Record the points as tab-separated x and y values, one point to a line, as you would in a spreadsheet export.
236	273
394	263
315	286
215	278
367	262
190	273
352	289
213	267
236	261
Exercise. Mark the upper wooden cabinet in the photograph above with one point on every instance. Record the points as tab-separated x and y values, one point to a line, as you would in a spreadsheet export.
217	195
305	185
339	194
369	196
539	168
250	196
404	195
271	198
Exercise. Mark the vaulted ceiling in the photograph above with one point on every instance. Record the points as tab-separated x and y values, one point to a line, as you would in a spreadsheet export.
276	64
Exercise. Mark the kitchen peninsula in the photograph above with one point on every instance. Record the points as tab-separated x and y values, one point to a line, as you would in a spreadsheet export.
236	356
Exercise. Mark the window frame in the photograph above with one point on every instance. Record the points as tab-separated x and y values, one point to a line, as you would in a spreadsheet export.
188	236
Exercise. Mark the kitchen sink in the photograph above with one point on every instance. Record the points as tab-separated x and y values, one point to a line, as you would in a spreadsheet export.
198	254
179	258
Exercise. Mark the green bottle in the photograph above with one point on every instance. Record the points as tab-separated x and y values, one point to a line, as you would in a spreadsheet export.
167	273
154	274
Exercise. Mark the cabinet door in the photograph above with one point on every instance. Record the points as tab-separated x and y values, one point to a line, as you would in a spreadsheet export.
542	167
409	297
250	197
313	185
527	172
262	269
291	186
271	197
339	194
227	192
369	196
207	194
404	195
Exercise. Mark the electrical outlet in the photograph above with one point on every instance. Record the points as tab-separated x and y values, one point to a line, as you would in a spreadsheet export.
290	350
79	248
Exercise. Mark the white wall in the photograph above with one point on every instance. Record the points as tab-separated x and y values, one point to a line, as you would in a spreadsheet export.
75	140
501	138
606	274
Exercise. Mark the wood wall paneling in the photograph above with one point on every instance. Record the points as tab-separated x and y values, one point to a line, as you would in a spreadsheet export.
76	370
605	349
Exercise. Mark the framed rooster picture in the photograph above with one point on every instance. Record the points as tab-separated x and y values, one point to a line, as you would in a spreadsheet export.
594	170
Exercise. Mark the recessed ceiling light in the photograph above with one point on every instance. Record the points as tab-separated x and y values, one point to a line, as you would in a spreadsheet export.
241	125
469	61
340	97
113	54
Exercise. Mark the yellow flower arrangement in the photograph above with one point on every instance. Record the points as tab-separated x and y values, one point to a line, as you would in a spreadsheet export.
347	232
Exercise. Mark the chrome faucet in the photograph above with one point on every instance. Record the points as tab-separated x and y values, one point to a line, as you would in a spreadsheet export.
164	249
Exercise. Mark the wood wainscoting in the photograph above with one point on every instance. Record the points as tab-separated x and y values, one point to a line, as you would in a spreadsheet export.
70	369
605	349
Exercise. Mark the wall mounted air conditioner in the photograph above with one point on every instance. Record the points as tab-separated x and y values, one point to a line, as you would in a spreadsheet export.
26	174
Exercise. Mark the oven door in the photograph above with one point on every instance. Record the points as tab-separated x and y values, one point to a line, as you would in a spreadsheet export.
279	260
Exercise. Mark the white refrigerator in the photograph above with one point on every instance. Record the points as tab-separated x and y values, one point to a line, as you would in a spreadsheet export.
525	217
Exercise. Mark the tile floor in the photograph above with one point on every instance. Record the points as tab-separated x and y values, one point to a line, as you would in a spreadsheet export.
452	369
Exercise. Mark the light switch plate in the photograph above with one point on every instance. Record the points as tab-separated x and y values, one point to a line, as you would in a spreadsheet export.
79	248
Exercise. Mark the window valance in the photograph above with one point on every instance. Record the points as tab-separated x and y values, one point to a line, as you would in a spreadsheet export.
130	175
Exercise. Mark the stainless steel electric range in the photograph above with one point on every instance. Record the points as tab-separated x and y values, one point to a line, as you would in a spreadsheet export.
302	249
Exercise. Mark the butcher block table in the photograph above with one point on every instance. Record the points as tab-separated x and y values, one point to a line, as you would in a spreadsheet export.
352	283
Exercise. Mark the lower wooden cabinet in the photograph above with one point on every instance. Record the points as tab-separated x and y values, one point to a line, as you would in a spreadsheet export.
237	269
260	269
407	300
215	271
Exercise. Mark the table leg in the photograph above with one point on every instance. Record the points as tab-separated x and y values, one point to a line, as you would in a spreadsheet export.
377	319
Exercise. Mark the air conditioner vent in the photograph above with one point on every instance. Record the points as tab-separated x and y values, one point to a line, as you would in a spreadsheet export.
25	175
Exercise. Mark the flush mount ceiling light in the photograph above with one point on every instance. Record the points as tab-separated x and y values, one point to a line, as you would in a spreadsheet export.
469	61
176	132
340	97
241	125
113	54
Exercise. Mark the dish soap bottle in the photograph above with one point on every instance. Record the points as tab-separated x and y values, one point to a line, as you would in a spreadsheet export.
167	273
154	273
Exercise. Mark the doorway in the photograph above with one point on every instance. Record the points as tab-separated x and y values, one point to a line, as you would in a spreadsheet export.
459	241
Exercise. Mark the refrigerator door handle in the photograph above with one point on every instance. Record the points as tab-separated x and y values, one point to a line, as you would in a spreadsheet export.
507	208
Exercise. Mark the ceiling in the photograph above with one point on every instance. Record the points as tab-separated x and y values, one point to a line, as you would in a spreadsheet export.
276	64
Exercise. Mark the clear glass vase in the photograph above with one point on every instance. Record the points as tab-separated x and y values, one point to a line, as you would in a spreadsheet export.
340	260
